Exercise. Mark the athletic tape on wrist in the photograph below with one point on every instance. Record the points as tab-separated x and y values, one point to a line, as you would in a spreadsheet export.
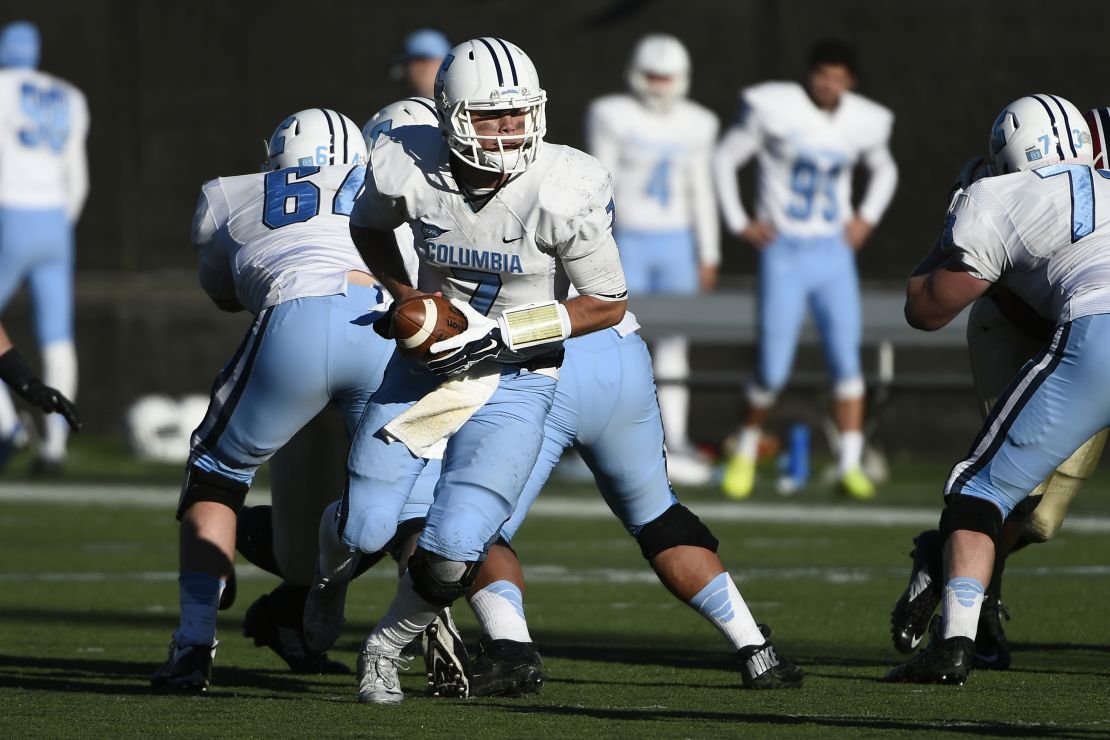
534	324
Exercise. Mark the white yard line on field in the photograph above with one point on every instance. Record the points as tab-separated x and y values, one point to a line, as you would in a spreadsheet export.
164	497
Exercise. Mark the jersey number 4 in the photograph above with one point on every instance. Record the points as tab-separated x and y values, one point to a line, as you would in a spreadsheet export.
292	197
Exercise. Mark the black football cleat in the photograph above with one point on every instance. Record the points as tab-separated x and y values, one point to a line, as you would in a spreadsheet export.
909	621
942	661
992	650
274	621
761	667
446	661
188	669
506	668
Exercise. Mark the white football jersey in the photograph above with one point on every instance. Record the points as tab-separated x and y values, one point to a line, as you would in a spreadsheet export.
43	124
271	237
1043	233
805	158
548	225
661	167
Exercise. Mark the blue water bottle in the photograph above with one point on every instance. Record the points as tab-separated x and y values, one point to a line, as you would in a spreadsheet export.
795	464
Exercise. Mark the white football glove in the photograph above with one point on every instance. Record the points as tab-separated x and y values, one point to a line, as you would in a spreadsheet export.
974	169
481	341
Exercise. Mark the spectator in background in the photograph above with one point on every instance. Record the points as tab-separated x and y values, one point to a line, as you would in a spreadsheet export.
658	146
807	139
43	183
419	60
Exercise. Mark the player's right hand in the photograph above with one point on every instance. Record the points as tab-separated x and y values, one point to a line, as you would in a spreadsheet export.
758	233
50	400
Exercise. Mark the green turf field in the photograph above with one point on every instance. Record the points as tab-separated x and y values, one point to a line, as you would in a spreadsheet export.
89	602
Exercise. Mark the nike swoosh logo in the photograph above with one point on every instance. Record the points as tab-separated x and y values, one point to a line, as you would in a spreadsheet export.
510	241
492	345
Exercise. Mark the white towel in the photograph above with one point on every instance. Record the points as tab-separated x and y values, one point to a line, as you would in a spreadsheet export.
426	426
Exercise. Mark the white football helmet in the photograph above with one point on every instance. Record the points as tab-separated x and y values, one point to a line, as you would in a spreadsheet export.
1098	121
1039	130
313	138
489	74
660	55
407	112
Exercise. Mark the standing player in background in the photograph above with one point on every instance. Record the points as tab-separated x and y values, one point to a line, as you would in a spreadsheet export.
807	139
419	60
1037	227
43	184
658	146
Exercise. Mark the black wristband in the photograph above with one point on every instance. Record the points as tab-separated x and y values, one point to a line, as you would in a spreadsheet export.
14	370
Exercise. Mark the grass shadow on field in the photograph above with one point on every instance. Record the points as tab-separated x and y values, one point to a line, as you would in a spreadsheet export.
102	676
96	618
969	727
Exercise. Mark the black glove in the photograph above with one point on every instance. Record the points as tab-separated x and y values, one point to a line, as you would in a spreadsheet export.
50	400
15	371
467	356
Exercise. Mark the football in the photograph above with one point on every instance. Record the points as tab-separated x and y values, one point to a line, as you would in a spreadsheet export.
421	321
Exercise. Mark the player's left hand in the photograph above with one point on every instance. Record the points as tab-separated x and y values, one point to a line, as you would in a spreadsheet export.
707	278
856	232
481	341
50	400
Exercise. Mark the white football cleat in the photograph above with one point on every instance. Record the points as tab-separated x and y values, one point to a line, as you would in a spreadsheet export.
377	677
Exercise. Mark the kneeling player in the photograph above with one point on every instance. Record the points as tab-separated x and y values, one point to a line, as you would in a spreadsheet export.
15	372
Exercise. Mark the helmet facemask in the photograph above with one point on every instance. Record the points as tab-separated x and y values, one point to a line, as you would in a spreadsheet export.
466	143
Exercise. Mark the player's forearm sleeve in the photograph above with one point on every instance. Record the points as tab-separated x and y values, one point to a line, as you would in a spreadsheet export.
881	184
733	152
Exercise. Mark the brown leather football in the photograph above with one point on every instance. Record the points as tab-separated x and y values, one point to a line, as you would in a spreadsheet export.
423	320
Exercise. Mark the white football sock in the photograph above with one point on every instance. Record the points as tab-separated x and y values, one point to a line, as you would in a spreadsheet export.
59	371
748	444
499	608
408	616
851	450
963	600
720	602
671	362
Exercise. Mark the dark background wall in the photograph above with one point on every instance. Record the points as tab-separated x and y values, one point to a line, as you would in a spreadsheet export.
184	91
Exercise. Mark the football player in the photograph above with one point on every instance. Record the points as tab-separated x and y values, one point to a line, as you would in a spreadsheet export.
503	221
1033	228
807	140
658	145
421	54
605	406
1003	333
276	244
16	373
43	184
